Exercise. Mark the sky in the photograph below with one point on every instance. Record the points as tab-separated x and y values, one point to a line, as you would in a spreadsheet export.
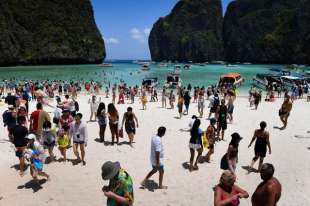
125	24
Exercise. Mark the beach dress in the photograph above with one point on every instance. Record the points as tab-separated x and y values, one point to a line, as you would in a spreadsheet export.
195	142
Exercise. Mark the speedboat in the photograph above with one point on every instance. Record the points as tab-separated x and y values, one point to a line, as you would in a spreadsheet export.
233	79
187	66
150	81
145	67
106	65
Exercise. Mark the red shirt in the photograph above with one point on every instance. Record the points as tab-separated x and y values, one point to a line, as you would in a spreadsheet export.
35	119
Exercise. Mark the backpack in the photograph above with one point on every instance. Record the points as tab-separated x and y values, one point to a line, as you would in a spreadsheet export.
216	102
76	105
5	117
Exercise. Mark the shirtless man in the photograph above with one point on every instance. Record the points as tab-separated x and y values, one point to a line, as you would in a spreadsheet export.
285	110
230	106
268	192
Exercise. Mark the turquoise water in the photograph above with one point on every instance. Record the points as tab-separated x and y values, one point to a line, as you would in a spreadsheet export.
132	73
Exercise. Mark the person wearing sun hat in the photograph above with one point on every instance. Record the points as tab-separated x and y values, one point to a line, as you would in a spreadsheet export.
230	159
120	189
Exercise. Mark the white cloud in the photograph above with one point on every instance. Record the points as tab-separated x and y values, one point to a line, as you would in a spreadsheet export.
111	40
140	36
147	31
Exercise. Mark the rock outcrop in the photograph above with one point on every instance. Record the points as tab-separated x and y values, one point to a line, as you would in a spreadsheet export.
267	31
191	32
49	32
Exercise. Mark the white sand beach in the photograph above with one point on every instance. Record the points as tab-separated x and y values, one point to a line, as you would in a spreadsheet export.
81	185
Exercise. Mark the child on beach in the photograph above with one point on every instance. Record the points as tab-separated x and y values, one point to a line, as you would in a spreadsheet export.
49	138
63	141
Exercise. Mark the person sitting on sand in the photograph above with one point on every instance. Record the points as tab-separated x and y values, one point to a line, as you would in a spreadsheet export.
129	119
79	135
285	110
157	157
120	188
195	143
262	141
230	159
227	193
210	133
267	193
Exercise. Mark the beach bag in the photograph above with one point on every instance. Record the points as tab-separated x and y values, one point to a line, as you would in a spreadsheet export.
224	162
205	141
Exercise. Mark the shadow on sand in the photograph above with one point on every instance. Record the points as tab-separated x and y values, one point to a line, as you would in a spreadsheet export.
249	169
150	185
32	184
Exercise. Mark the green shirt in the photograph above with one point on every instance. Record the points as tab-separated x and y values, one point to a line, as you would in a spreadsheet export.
122	186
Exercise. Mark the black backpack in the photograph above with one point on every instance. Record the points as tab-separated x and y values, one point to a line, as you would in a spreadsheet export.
216	102
76	105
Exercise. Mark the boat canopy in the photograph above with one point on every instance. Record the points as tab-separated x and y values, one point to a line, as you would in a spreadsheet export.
291	77
231	75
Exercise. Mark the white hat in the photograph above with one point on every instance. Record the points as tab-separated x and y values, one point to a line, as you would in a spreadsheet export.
31	136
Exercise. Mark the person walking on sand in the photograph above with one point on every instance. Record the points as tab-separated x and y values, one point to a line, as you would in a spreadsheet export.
268	192
49	139
230	105
210	133
164	98
78	132
157	157
285	110
144	100
227	192
20	142
195	143
257	99
187	101
221	114
102	120
120	189
93	108
230	159
262	141
201	103
171	99
131	121
180	105
113	122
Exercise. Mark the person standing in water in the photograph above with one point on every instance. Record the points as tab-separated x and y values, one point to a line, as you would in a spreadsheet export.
267	193
285	110
262	141
131	121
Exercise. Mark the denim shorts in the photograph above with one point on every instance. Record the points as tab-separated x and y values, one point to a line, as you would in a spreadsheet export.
160	168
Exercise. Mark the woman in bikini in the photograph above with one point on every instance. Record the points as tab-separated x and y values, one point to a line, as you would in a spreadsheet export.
113	122
262	141
131	121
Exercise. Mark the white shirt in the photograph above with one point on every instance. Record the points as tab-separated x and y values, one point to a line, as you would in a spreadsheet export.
78	132
57	113
157	146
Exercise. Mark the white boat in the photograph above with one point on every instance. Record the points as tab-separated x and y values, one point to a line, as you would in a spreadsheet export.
187	66
233	79
145	67
150	81
106	65
163	65
177	69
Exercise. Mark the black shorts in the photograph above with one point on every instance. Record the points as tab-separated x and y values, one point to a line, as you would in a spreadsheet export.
222	125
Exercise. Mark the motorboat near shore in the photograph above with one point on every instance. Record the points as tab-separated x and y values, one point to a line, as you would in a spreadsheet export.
173	80
150	81
231	79
145	67
106	65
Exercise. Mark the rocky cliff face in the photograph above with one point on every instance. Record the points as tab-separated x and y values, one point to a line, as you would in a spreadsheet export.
191	32
267	31
49	32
